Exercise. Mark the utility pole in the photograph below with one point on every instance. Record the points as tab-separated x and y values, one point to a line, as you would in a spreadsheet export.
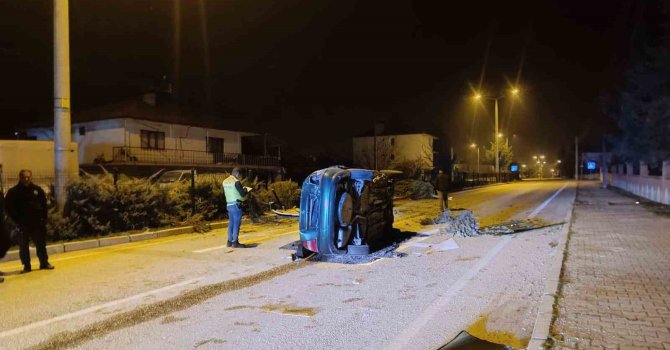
62	132
576	158
176	48
495	138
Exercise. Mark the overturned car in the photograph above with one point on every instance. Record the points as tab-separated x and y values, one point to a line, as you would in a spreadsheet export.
344	211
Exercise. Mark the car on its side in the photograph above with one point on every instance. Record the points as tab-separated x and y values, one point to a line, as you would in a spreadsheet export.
343	211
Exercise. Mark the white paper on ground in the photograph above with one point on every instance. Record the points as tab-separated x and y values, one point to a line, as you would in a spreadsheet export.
446	245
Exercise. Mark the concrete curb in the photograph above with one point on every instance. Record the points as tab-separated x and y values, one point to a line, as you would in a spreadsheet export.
545	312
110	241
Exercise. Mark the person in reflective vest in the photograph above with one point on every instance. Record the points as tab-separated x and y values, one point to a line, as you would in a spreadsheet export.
235	195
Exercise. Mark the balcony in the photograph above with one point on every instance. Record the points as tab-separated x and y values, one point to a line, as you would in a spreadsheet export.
138	155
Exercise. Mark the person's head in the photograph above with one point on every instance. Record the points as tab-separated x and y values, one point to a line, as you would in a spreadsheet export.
235	172
25	177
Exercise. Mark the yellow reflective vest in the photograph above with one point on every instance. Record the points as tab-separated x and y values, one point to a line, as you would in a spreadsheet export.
232	194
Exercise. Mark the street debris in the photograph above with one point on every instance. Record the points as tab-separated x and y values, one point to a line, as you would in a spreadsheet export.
463	224
515	226
465	341
449	244
387	252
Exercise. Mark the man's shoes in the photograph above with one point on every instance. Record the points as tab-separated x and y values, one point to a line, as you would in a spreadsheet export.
47	266
237	244
26	269
229	244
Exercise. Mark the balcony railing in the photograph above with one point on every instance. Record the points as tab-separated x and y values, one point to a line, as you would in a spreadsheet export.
188	157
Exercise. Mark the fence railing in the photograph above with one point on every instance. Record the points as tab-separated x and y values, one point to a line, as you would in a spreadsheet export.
188	157
465	180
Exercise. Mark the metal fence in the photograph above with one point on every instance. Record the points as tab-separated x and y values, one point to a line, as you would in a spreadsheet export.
465	180
46	182
188	157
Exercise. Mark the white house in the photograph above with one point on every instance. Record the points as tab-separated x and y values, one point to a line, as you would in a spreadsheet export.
140	132
392	150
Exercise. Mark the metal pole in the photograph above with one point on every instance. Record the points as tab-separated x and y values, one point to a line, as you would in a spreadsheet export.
495	138
62	132
576	158
176	48
477	160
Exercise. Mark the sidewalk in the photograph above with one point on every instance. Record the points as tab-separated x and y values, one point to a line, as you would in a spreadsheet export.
615	283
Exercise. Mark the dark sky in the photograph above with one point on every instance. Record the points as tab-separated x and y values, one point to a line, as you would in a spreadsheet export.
317	72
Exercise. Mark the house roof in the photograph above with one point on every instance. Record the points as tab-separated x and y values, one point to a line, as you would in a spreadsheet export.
139	109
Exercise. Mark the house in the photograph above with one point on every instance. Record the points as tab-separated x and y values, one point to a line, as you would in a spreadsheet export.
141	134
36	156
395	150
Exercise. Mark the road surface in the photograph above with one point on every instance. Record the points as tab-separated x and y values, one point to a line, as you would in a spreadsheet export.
190	291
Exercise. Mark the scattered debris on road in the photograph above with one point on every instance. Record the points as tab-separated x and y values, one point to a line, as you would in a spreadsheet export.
515	226
387	252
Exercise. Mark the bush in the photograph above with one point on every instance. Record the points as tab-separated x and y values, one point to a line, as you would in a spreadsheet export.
96	207
414	189
288	193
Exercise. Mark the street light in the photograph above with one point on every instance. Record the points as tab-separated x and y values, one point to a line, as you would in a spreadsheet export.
473	146
478	96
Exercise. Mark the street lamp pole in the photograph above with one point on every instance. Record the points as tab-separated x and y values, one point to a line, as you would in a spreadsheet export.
62	132
496	138
477	160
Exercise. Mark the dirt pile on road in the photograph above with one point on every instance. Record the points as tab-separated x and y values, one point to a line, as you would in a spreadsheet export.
463	224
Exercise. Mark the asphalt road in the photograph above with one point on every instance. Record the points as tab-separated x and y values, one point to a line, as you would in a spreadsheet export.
189	291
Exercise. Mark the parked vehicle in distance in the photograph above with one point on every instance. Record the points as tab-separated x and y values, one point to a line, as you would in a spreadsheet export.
173	176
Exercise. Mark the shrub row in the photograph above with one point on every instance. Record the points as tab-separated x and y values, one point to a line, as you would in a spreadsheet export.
96	206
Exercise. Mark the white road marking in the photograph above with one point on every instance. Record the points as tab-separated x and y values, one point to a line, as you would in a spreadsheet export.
545	203
210	249
93	309
403	340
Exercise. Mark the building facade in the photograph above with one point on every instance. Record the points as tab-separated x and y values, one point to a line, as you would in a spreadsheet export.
394	150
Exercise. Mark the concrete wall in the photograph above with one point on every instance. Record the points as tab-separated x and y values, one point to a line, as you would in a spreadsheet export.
393	149
655	188
37	156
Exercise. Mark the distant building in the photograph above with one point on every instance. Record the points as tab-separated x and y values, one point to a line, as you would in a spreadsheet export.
143	134
394	151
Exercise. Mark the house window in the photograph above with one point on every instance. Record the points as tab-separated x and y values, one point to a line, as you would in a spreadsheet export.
152	139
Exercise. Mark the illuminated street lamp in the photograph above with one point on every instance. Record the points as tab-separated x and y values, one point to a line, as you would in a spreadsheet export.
478	97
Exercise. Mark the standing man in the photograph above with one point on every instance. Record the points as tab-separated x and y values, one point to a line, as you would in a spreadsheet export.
442	187
27	206
5	242
235	195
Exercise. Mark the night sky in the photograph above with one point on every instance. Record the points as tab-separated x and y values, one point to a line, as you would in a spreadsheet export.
316	73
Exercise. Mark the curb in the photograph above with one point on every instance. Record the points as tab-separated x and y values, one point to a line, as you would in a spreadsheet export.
13	255
545	312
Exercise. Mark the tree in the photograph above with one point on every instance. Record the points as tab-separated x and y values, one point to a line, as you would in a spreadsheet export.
641	107
505	151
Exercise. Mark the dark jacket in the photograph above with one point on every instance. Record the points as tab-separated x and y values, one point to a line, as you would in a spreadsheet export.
442	182
27	205
5	241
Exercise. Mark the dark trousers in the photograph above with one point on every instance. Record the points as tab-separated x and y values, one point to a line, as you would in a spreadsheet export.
443	197
234	221
38	236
